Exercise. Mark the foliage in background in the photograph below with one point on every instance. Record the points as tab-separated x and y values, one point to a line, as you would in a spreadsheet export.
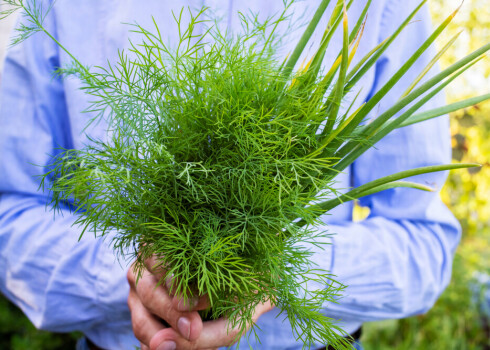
17	333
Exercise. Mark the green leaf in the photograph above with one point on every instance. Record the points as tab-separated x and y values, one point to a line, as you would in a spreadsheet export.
437	112
431	64
339	86
376	53
353	149
300	46
373	101
385	183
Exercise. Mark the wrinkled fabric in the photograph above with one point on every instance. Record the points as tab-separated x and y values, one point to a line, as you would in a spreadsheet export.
395	263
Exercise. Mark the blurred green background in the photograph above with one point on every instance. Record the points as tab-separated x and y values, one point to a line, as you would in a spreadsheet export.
455	321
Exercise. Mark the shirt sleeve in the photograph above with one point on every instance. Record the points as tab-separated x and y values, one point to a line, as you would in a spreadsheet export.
60	283
397	261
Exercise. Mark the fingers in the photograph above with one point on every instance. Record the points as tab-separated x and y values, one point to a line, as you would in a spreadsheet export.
261	309
217	333
214	334
151	302
145	325
158	302
179	302
194	303
155	267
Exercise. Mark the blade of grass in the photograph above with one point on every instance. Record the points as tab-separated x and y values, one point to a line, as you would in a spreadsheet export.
298	50
356	30
379	51
334	134
339	87
360	64
364	131
396	77
395	184
328	78
337	17
347	154
430	65
355	33
345	116
437	112
383	183
366	188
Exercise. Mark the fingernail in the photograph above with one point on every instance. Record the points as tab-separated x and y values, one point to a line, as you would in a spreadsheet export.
184	326
167	345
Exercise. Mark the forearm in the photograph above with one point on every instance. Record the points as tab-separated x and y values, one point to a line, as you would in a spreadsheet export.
392	268
60	283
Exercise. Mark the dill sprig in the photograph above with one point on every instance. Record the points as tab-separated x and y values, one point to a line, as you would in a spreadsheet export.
221	159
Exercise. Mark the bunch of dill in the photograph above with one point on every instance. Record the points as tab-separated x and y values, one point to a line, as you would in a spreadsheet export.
209	163
221	158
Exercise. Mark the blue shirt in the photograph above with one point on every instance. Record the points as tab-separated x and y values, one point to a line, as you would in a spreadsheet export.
395	263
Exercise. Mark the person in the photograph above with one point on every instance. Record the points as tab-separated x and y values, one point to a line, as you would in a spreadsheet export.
395	263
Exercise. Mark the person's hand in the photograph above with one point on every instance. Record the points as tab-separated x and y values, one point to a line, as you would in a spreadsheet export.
149	304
